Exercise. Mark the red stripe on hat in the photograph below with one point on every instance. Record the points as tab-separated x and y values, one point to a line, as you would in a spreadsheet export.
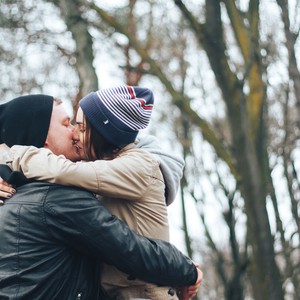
131	92
144	106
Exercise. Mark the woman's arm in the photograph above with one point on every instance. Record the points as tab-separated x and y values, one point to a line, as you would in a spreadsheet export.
124	177
6	189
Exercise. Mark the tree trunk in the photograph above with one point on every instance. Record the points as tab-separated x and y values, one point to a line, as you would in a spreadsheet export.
290	42
265	275
70	10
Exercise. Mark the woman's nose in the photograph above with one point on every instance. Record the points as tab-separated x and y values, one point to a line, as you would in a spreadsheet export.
75	134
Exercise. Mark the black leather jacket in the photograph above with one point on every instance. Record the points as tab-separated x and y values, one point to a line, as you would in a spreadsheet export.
54	237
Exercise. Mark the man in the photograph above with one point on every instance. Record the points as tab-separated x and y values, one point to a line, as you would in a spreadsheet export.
53	237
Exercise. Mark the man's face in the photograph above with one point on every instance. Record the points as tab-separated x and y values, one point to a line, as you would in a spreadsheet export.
60	134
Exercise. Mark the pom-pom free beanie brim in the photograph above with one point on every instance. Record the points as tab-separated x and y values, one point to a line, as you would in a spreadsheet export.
25	120
119	113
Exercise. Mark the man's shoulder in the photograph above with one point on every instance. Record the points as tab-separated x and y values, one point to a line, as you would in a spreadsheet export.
43	192
67	191
70	205
61	195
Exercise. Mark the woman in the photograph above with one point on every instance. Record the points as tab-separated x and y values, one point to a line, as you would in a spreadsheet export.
127	179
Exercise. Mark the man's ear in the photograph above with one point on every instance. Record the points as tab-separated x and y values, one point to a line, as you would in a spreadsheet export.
46	145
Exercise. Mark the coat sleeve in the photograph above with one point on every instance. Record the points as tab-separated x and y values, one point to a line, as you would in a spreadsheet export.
126	177
77	219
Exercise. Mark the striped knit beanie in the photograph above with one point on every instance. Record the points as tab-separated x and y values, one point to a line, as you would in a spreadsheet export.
118	113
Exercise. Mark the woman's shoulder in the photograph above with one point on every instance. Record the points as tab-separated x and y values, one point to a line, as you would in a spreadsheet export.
140	154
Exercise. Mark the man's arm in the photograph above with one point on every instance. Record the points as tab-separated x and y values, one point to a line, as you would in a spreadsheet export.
75	217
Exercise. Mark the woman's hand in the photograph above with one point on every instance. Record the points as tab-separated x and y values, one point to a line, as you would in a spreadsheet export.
6	190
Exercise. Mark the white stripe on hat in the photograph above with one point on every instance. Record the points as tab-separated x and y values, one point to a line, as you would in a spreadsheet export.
128	110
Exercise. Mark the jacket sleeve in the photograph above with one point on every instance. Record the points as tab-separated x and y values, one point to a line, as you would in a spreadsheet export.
124	177
75	217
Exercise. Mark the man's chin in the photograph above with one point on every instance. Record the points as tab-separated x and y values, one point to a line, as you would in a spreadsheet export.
74	156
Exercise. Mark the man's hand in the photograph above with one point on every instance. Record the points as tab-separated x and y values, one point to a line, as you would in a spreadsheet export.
187	292
3	153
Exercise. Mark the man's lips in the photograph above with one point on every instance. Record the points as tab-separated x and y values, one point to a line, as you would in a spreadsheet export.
78	149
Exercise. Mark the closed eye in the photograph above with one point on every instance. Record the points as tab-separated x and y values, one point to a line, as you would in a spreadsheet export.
67	122
81	127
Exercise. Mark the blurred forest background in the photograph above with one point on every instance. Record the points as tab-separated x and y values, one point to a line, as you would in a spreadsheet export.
226	79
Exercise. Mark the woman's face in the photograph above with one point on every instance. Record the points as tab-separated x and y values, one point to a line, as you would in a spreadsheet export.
80	134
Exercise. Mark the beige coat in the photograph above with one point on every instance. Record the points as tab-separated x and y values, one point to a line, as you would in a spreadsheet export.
132	188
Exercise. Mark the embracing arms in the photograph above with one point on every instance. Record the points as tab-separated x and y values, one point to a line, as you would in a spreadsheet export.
77	218
126	176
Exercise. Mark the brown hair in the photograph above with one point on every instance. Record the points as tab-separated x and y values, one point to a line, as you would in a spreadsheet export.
96	146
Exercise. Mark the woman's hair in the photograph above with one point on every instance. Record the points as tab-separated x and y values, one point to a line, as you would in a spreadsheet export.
96	146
